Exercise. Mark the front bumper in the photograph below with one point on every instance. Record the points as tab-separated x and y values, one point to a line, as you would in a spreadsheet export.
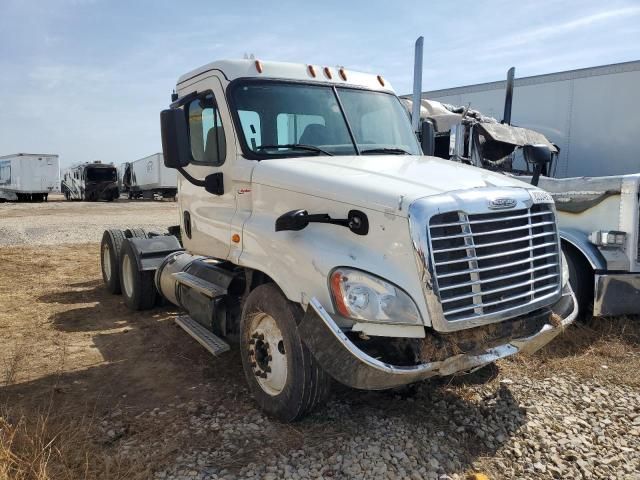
349	365
617	294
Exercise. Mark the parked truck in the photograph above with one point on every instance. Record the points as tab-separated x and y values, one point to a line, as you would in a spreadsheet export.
599	217
91	181
316	237
29	176
148	178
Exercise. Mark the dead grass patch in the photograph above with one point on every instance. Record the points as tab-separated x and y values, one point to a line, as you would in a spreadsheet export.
607	349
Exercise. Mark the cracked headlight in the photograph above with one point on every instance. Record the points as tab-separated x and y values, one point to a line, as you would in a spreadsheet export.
363	296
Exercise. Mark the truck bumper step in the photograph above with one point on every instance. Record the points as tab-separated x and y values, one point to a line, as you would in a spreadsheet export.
200	285
207	339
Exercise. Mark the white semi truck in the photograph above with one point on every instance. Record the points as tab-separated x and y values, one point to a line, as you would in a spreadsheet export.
29	176
148	178
599	217
91	181
315	236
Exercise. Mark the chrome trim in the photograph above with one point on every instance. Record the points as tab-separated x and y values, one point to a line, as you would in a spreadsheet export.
616	294
349	365
472	202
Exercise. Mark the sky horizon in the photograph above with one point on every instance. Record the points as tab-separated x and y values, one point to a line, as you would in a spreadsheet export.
86	79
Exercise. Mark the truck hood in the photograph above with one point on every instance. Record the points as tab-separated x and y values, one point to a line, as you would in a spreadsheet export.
387	183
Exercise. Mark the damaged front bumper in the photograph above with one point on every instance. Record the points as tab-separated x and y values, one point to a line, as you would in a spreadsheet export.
349	365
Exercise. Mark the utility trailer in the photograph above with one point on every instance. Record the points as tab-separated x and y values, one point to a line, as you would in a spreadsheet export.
91	181
317	239
29	176
599	217
149	178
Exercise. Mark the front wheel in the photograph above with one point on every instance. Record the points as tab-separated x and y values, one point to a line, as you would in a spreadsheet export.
284	378
581	281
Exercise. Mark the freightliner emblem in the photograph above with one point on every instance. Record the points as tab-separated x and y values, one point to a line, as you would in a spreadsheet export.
502	203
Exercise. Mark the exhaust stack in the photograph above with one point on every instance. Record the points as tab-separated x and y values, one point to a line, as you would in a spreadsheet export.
417	85
508	98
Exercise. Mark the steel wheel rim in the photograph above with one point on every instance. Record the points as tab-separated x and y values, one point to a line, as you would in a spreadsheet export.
267	354
127	276
106	262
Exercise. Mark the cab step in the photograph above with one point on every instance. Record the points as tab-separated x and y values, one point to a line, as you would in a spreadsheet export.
198	284
204	337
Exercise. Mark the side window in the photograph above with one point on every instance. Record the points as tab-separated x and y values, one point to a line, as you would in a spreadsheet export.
291	126
251	128
206	135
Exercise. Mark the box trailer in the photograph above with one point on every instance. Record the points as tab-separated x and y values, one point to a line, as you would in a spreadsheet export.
148	177
587	113
28	176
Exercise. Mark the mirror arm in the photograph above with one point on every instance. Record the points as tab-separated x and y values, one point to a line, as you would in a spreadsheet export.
190	179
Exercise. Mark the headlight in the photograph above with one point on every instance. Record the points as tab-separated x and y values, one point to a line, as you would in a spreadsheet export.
362	296
565	271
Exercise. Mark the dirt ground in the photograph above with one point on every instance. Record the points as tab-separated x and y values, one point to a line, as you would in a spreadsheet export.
74	362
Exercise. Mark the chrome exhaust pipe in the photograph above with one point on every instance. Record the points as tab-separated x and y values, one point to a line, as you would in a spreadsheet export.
417	85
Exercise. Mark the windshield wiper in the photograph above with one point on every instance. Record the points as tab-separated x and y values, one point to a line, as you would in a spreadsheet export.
296	146
392	151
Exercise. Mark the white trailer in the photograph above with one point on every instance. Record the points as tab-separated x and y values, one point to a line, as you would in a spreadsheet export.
588	113
28	176
148	177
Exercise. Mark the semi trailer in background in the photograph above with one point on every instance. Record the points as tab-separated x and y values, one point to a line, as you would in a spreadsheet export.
148	178
599	217
28	176
590	114
90	181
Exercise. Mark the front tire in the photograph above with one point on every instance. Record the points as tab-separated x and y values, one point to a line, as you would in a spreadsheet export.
110	249
284	378
138	288
581	281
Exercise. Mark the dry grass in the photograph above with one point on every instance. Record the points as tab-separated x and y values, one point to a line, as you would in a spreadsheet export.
606	349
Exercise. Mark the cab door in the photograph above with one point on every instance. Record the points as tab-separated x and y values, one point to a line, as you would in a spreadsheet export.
206	217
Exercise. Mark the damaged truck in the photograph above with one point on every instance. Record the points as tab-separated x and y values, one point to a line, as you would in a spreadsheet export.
316	238
598	217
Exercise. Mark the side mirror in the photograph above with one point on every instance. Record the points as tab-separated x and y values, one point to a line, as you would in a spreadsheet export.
294	220
538	155
175	141
427	138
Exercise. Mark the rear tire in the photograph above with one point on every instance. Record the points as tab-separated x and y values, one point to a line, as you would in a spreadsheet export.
284	378
135	233
138	288
581	281
110	249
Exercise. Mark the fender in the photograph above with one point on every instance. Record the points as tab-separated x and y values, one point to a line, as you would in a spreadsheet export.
580	241
151	252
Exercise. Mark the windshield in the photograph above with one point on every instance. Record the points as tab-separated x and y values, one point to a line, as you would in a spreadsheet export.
294	119
101	174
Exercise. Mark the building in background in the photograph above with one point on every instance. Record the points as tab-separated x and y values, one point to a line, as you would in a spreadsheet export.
592	114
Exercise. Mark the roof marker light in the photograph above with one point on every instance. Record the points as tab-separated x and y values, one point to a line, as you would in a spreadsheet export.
312	71
381	80
258	66
343	74
327	73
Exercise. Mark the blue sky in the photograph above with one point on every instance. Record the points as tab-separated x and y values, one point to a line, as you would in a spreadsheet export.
87	78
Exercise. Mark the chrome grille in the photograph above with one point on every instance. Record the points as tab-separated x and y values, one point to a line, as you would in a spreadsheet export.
488	263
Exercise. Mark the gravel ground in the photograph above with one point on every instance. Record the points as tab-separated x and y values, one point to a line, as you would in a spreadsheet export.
558	427
62	222
167	410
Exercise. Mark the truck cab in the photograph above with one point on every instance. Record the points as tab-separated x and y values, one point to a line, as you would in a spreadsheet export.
316	237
